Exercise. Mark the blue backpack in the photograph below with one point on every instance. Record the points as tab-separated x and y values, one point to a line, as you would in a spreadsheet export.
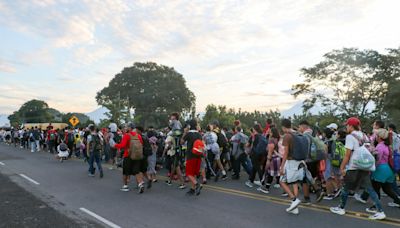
301	146
261	148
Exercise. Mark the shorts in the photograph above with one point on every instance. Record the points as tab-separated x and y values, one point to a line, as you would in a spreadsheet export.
133	167
193	167
313	167
171	161
293	172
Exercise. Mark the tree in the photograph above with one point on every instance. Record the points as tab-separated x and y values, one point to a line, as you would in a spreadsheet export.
152	91
33	111
349	81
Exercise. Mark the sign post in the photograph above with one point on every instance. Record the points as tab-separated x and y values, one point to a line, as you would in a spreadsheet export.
74	120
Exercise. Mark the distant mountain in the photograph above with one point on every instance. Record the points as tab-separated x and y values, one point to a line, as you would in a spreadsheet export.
297	109
4	120
98	114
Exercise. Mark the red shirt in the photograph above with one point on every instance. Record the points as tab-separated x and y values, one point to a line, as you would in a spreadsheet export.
49	132
125	142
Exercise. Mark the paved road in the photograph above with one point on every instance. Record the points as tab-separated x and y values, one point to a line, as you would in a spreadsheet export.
69	190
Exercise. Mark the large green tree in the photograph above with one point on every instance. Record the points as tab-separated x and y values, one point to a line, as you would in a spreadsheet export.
152	91
33	111
349	81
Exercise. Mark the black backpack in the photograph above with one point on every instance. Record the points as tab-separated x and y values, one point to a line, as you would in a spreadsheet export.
147	150
261	147
70	138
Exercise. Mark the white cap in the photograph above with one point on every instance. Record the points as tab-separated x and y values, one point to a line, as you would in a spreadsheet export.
332	126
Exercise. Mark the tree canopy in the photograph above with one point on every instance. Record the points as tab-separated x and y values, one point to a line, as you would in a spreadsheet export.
152	91
351	82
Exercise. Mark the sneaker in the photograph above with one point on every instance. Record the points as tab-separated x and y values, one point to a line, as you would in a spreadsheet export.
337	193
257	183
338	210
155	180
372	210
295	203
263	189
378	216
249	184
149	184
191	192
277	186
91	175
321	196
284	194
101	174
141	188
182	186
111	168
359	199
125	188
198	189
391	204
224	177
329	197
168	182
204	182
306	202
294	211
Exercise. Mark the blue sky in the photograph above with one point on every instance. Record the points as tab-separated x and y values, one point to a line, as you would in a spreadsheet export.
237	53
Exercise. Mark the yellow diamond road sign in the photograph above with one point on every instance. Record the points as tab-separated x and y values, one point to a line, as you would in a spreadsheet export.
74	120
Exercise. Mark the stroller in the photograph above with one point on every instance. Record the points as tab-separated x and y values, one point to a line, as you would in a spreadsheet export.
63	152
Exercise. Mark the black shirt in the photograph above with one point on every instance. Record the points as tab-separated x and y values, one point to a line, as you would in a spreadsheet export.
190	138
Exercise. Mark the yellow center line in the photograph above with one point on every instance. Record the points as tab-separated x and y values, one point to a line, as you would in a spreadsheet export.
314	207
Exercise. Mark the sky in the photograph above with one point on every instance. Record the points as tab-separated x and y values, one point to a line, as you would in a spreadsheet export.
242	54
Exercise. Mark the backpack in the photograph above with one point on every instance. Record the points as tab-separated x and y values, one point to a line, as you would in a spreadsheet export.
261	148
70	138
338	152
95	144
301	146
317	148
135	148
222	141
52	136
199	148
361	158
147	150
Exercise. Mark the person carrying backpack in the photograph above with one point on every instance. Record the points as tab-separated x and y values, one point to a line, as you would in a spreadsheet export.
240	157
132	143
293	167
316	155
93	150
258	156
51	139
70	140
195	151
355	169
214	152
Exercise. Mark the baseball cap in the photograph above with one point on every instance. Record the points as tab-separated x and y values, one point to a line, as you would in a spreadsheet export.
332	126
353	121
382	133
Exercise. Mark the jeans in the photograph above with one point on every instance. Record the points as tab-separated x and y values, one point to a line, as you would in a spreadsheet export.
245	161
95	157
33	146
352	179
52	146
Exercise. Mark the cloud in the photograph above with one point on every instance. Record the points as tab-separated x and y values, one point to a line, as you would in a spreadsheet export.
7	67
223	48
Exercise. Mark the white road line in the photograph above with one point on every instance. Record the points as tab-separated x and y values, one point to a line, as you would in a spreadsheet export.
1	163
98	217
29	179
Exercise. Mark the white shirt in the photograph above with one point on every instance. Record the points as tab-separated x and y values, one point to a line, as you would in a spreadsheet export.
352	144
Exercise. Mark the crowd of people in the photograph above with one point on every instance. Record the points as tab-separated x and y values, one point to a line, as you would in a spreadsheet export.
332	162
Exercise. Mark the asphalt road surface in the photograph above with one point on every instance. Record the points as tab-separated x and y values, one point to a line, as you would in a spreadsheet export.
53	194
